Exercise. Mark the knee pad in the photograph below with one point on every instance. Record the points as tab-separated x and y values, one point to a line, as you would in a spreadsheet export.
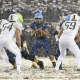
27	56
10	54
24	54
12	60
31	57
11	57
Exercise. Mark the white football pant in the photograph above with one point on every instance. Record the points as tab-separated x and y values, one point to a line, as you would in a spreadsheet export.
64	43
8	43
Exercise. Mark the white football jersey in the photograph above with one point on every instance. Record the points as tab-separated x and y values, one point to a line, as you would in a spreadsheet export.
70	28
3	22
10	28
5	29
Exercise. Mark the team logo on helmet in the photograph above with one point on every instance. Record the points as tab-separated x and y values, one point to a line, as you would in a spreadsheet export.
13	17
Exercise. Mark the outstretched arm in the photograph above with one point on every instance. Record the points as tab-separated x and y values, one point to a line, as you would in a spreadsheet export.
60	33
77	38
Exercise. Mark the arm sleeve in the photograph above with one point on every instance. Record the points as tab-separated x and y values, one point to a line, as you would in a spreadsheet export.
60	25
32	26
19	26
46	26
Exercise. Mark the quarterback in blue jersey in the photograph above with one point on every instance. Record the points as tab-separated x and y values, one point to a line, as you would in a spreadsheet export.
40	31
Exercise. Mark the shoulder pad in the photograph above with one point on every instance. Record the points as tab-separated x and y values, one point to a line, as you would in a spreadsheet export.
19	26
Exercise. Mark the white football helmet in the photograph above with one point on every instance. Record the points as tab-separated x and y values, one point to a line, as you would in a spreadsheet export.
13	17
74	16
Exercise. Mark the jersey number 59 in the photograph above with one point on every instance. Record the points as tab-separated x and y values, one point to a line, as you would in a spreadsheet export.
70	25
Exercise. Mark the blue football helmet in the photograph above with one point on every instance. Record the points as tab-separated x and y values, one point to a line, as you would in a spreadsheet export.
67	18
38	15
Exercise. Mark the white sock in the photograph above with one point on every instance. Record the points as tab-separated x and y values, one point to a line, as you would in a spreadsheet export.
18	68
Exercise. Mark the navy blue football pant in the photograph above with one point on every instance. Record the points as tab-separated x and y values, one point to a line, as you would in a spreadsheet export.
41	43
11	57
78	44
24	54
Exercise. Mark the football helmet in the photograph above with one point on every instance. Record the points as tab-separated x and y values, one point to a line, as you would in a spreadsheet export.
74	16
67	18
20	17
38	15
13	17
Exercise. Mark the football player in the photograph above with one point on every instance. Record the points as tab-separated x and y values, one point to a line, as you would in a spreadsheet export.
40	31
7	39
67	35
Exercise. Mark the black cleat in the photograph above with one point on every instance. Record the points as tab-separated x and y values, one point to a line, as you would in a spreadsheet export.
60	67
54	64
34	67
13	68
41	65
78	69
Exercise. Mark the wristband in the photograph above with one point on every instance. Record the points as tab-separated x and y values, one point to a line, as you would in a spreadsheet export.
24	44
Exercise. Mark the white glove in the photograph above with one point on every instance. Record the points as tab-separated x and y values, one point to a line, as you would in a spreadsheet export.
24	44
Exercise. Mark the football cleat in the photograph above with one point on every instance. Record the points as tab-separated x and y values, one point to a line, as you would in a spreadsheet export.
54	64
6	69
34	67
56	69
19	71
78	69
41	65
13	68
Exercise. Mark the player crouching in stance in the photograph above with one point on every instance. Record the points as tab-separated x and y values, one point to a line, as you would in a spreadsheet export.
8	32
26	55
66	37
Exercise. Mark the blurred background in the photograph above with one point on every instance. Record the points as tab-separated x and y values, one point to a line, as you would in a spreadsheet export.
52	10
